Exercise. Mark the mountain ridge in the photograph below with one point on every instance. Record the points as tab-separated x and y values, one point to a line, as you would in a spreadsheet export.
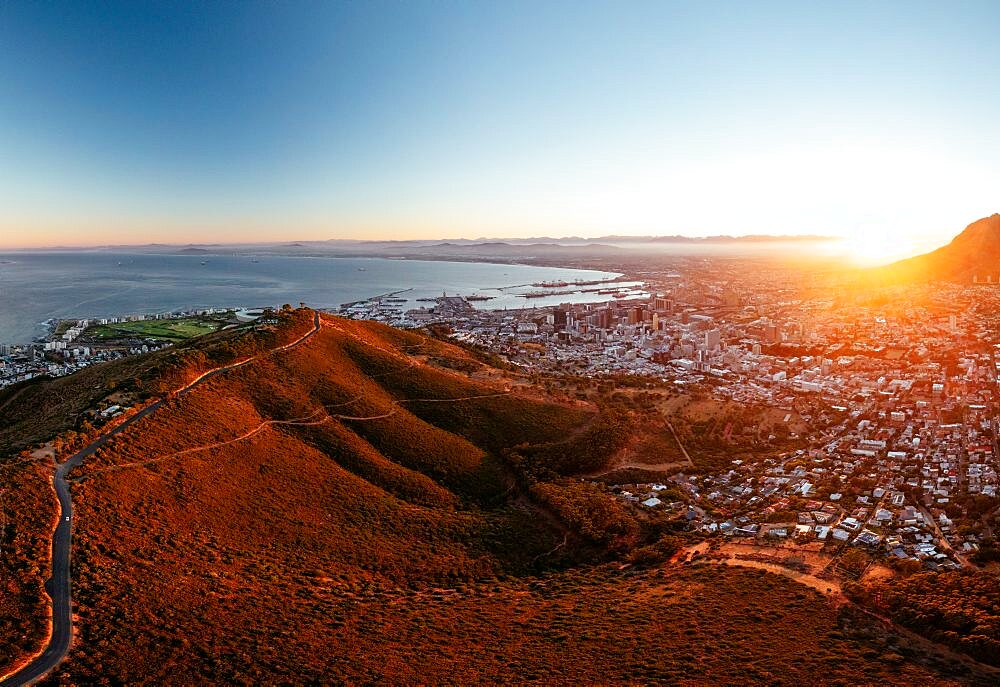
973	256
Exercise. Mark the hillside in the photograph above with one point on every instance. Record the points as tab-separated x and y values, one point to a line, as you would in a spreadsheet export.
373	505
369	455
972	255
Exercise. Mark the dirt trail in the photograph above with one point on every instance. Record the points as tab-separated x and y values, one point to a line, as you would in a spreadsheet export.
304	421
687	456
828	587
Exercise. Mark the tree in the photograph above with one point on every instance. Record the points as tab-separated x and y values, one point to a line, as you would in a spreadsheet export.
909	567
854	562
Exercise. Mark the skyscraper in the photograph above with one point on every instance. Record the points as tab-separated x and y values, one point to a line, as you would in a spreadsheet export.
713	337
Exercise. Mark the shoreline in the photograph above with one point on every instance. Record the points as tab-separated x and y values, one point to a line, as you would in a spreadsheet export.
43	329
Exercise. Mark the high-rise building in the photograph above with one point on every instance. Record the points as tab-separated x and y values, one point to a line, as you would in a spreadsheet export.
772	333
713	337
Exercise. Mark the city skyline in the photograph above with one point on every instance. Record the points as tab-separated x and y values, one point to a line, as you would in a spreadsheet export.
186	123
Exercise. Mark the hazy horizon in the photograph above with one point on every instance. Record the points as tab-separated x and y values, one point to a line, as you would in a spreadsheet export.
764	238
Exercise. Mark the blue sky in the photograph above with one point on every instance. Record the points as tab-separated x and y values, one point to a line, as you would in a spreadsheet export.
138	121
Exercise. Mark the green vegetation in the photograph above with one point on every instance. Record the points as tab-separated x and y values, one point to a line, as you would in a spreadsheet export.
159	330
589	512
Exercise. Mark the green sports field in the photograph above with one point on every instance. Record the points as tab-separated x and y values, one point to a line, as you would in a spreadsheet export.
165	330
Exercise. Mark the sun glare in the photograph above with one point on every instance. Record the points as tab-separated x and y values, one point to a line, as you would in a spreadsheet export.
869	248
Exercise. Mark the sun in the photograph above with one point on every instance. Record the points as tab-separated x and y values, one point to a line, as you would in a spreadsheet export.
873	247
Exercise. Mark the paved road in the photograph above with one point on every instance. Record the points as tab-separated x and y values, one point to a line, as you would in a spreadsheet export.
59	586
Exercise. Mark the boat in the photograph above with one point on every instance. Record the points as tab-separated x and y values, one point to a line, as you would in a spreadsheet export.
551	284
479	297
620	295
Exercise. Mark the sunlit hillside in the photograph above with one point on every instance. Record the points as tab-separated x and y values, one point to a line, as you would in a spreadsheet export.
397	496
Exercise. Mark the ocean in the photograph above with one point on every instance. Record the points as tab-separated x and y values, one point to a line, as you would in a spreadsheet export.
39	286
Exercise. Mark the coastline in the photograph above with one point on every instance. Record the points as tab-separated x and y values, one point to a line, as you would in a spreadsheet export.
44	324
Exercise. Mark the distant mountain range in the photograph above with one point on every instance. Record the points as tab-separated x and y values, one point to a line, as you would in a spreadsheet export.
611	238
721	238
972	256
548	242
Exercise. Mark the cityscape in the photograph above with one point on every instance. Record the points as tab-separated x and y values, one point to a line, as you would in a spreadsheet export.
888	439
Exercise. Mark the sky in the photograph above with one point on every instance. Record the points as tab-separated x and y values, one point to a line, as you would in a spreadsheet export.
222	121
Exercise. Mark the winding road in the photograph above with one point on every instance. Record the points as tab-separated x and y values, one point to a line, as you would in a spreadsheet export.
59	585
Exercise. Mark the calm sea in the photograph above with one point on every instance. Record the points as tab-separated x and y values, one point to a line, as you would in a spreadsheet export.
36	287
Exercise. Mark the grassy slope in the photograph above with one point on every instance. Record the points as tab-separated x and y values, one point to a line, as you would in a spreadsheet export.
35	411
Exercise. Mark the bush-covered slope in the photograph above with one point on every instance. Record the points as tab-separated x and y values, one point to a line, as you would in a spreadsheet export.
960	609
362	508
365	453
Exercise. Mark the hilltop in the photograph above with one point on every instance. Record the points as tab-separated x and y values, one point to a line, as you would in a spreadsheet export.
378	505
972	256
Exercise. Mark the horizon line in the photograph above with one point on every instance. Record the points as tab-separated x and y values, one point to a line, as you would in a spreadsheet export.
623	238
